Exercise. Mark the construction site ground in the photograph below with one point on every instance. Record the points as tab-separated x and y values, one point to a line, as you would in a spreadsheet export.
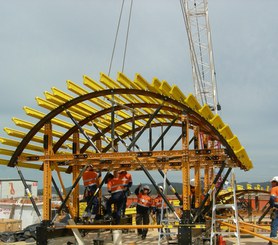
131	238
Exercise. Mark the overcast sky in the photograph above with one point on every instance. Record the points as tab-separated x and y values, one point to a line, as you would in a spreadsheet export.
45	43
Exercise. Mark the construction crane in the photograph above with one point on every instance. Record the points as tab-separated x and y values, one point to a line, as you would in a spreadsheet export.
195	13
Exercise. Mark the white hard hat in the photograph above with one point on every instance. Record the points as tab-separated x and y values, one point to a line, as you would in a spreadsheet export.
146	187
192	182
274	179
161	188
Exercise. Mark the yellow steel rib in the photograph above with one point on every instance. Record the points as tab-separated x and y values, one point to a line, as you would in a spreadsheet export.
39	115
11	152
15	143
28	165
99	121
226	132
80	91
92	84
206	112
217	122
21	135
177	94
50	97
165	88
126	82
51	106
192	102
234	143
142	82
65	97
156	84
27	125
56	121
55	100
112	84
122	79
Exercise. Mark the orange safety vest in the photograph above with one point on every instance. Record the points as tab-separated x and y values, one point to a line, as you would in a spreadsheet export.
115	185
144	200
157	202
274	193
90	178
126	178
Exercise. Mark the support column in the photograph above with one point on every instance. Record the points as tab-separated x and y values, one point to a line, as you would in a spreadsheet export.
185	231
197	169
75	173
99	146
185	168
206	182
47	174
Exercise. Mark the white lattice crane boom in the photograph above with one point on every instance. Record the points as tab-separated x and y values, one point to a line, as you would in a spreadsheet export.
201	53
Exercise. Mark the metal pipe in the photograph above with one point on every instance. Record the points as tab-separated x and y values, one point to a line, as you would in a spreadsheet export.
144	128
57	189
70	191
150	138
264	213
250	232
110	227
170	186
82	131
104	136
163	134
28	192
176	142
113	124
223	181
199	210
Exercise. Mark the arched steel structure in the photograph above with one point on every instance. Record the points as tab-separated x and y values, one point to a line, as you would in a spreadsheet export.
114	111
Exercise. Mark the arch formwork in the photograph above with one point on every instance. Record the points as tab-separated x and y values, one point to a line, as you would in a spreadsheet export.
101	124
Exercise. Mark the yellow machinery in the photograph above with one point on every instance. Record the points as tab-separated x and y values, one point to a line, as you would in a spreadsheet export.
91	124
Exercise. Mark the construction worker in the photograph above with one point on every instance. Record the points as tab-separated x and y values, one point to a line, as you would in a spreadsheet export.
91	181
159	209
116	187
273	201
192	193
127	182
144	204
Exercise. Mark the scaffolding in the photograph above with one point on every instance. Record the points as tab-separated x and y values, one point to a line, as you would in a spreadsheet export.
121	112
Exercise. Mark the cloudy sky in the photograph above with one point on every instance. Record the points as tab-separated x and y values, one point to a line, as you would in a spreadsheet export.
45	43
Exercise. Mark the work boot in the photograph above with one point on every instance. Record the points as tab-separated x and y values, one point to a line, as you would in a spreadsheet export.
169	238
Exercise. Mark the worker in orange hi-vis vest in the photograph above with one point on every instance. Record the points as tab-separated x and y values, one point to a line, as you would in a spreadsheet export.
144	204
127	182
159	208
116	187
273	201
91	181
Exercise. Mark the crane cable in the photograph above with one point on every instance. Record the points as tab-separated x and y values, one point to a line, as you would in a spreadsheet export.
127	34
116	37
